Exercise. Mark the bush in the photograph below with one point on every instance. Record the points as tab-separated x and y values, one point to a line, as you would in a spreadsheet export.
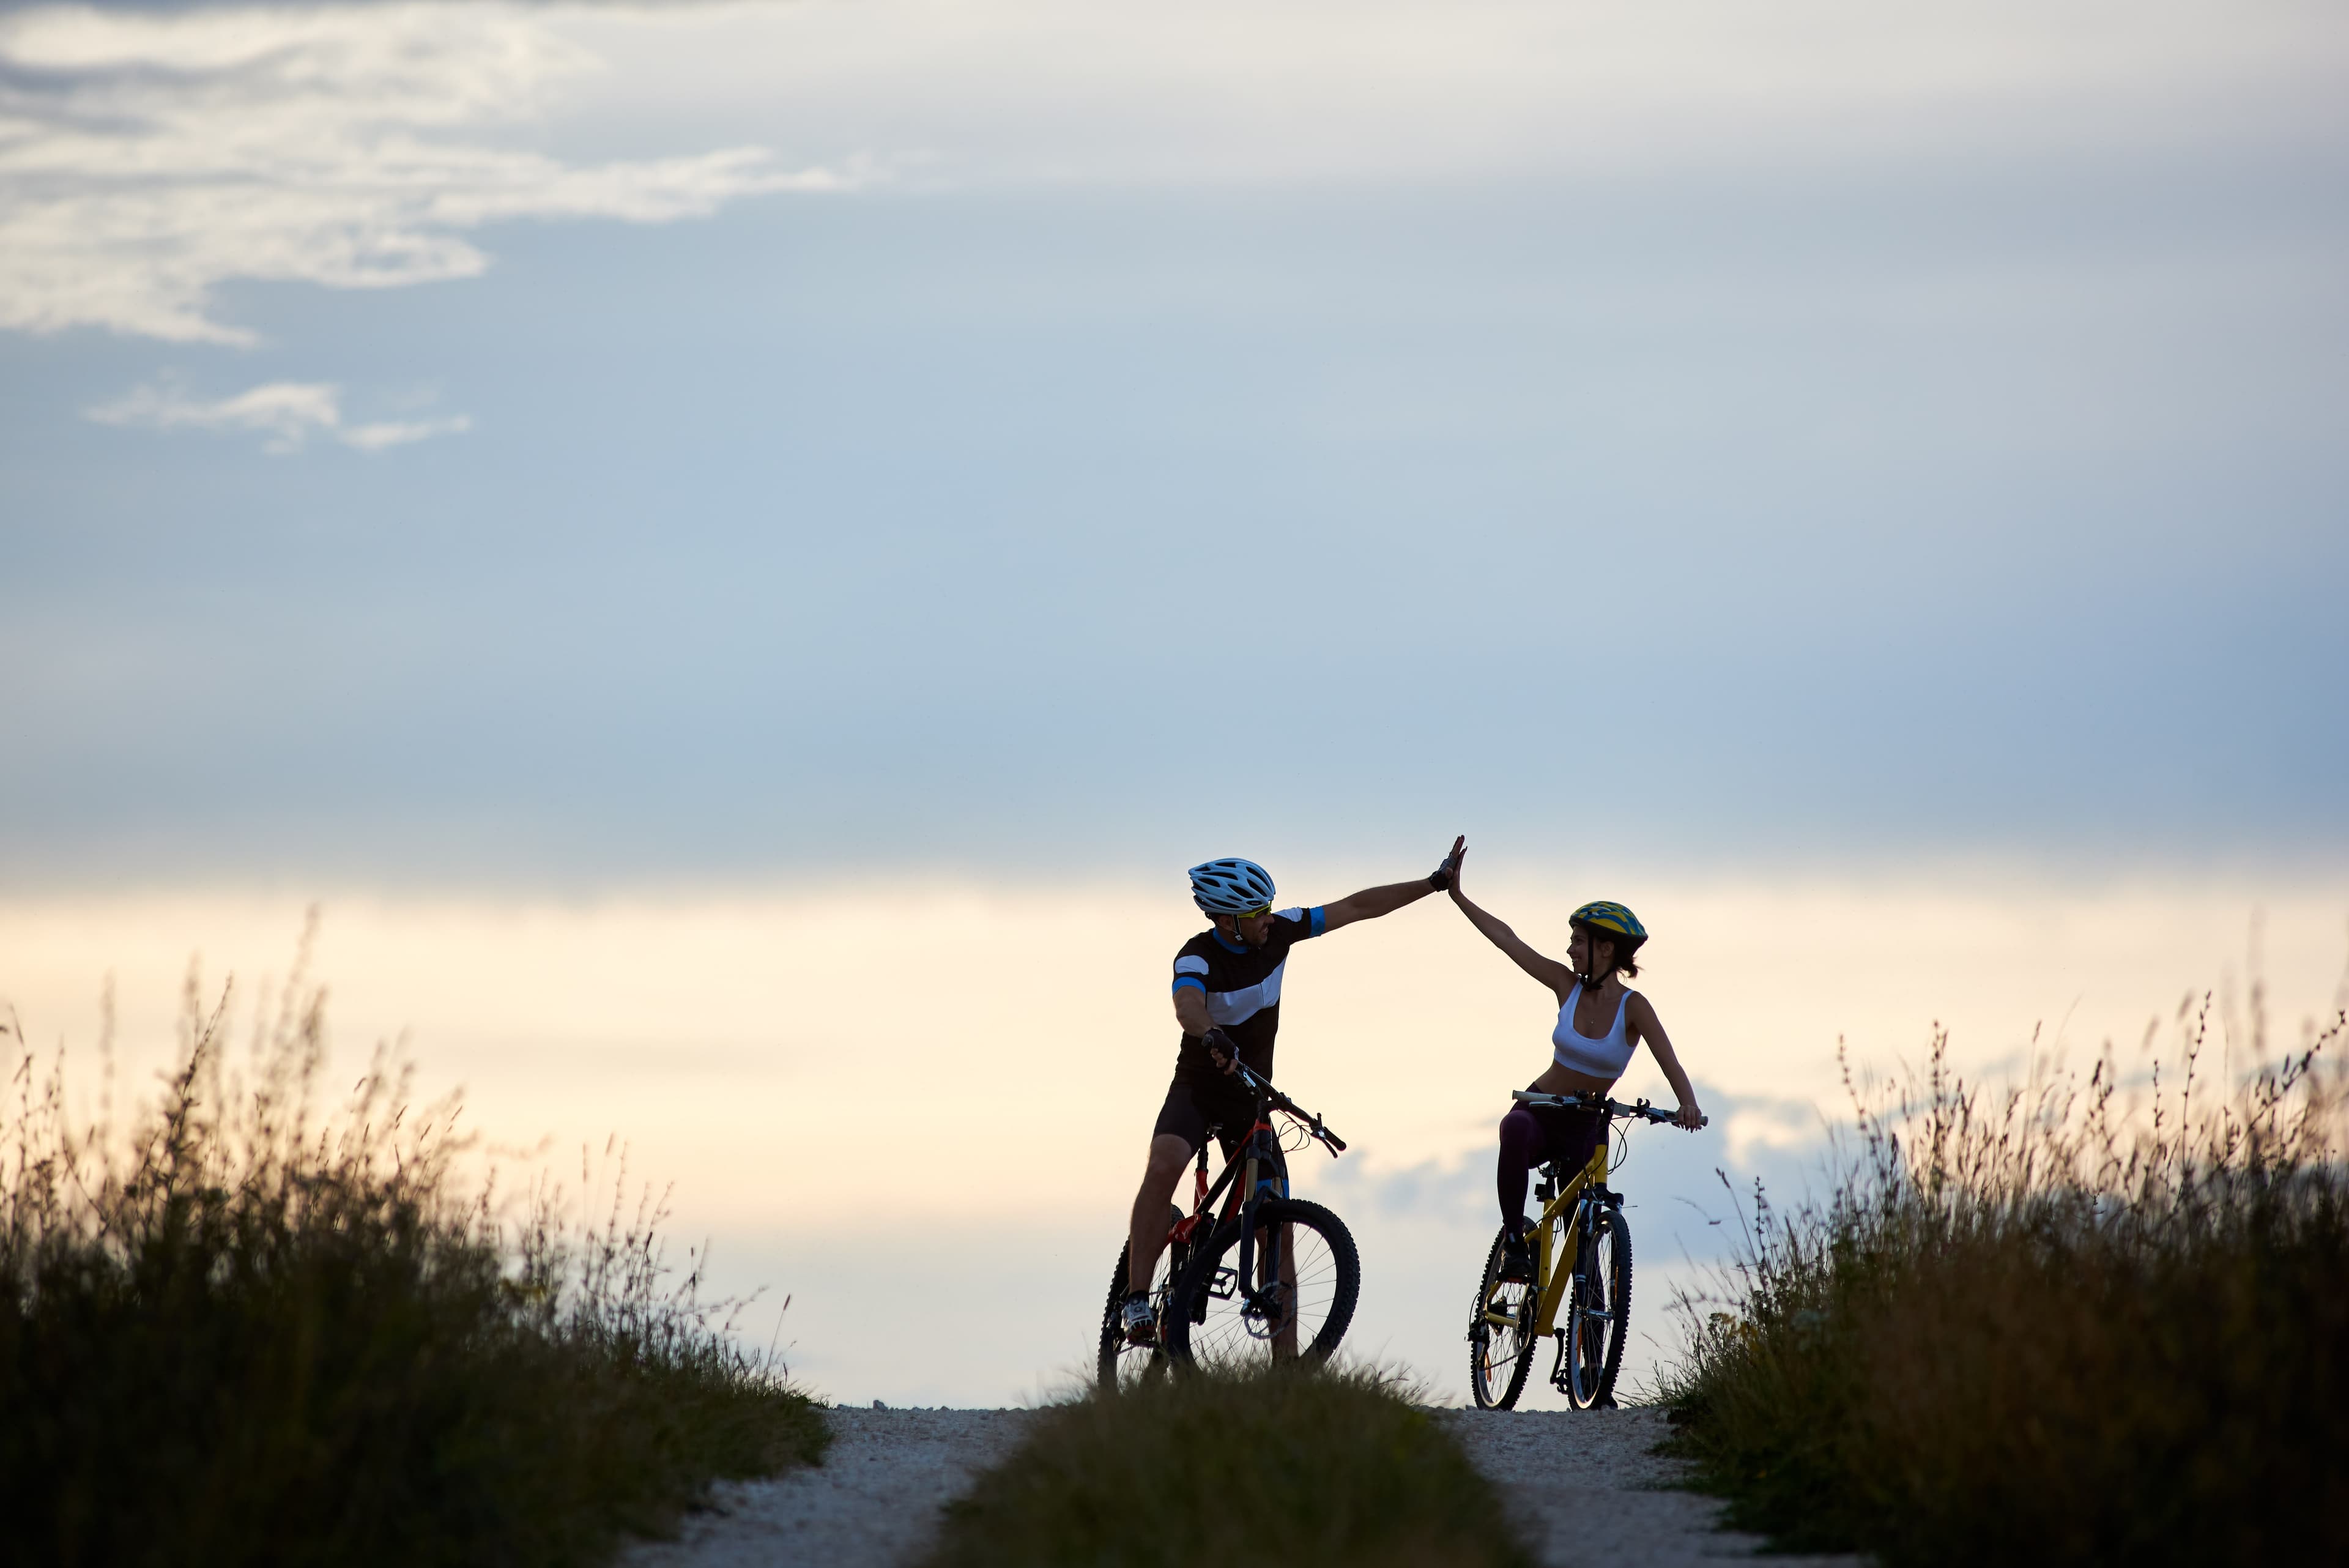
243	1335
2037	1328
1283	1466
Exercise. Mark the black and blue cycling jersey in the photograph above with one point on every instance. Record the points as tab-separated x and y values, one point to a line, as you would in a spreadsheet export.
1242	986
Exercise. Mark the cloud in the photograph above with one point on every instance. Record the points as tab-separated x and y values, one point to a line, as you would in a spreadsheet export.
1393	91
147	159
287	413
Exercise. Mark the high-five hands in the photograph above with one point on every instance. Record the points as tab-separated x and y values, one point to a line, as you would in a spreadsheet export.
1447	874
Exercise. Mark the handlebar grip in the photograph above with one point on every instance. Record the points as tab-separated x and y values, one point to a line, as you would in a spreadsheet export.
1332	1139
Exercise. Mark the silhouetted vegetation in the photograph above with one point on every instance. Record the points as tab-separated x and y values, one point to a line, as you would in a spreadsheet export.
1308	1467
2040	1326
243	1333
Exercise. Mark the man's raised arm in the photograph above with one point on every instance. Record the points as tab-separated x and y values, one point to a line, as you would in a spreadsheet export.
1371	902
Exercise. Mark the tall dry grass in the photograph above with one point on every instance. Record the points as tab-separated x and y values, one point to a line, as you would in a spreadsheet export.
2069	1322
238	1331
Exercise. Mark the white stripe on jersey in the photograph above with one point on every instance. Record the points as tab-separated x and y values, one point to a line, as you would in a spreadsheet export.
1239	1006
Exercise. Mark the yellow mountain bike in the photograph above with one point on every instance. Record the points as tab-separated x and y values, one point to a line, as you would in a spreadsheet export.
1582	1289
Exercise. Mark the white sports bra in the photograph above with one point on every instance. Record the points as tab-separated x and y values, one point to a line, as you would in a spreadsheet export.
1604	1057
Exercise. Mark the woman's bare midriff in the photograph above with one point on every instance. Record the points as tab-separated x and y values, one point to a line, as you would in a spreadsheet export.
1558	1080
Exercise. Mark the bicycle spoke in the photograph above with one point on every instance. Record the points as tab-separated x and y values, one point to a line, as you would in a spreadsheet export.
1599	1303
1297	1304
1500	1353
1121	1363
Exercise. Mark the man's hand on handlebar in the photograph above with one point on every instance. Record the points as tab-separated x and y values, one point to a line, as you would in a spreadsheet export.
1224	1054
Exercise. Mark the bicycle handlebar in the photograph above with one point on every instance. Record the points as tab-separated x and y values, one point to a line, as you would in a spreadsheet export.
1280	1102
1640	1108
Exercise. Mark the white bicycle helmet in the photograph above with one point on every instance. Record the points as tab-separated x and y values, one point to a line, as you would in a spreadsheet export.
1231	886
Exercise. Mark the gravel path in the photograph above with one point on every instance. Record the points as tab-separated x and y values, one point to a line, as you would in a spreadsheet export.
872	1503
1583	1484
1587	1491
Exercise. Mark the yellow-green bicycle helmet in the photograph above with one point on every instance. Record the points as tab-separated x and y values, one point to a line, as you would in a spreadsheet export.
1610	917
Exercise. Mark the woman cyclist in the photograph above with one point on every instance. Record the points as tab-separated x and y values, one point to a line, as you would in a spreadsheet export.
1601	1021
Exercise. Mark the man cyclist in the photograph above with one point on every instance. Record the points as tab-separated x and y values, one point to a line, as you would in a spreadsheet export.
1228	1000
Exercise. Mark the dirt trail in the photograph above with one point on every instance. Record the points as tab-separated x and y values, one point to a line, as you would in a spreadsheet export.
1584	1485
1587	1492
872	1503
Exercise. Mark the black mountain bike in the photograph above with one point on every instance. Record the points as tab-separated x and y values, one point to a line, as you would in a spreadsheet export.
1272	1278
1583	1274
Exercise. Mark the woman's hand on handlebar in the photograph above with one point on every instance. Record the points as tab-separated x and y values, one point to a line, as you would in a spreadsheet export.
1687	1117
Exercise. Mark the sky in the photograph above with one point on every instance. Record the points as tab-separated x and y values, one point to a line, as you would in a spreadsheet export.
578	490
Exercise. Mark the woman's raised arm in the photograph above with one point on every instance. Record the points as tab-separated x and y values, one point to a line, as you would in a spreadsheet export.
1549	971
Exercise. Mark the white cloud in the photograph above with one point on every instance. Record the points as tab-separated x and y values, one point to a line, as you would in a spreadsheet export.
1239	92
148	158
287	414
145	160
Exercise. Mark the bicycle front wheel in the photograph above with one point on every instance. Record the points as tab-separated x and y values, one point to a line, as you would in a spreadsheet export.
1501	1337
1306	1279
1598	1309
1123	1364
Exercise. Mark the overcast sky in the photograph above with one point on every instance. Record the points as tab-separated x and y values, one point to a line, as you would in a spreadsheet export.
538	445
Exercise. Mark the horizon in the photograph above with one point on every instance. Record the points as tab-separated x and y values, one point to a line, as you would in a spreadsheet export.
788	1067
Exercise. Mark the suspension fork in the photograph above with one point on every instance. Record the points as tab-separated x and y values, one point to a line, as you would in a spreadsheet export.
1257	1175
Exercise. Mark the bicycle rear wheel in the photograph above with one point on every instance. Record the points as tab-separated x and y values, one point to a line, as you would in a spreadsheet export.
1501	1337
1598	1309
1122	1365
1308	1278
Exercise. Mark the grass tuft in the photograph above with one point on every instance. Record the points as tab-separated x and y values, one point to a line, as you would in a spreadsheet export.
2040	1325
244	1334
1284	1466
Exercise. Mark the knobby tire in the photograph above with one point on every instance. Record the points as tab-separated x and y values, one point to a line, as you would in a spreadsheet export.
1590	1370
1484	1337
1208	1330
1120	1363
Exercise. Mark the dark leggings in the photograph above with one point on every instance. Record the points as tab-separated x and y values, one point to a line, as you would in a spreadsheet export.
1532	1134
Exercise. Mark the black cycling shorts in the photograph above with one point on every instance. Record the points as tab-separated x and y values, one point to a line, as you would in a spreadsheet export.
1191	1110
